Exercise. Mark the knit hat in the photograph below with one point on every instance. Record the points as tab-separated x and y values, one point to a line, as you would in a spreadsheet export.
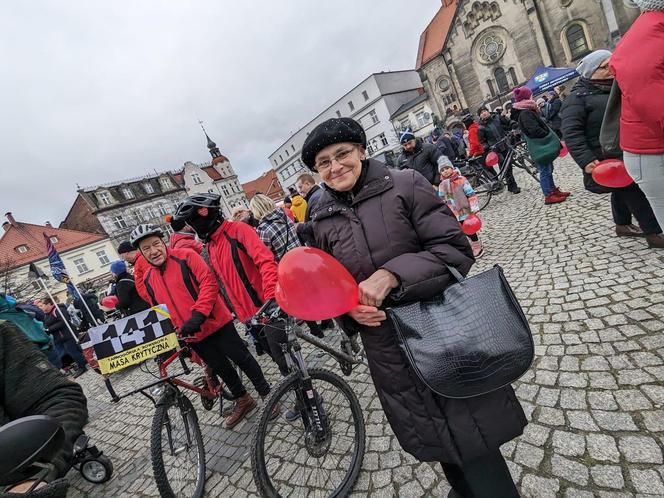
330	132
591	62
444	162
522	93
436	133
125	247
406	136
650	4
118	267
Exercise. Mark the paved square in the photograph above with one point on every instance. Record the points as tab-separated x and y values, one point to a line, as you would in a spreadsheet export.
594	396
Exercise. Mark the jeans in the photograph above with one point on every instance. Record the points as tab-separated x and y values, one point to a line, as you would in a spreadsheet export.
484	477
70	347
223	345
546	178
647	170
631	201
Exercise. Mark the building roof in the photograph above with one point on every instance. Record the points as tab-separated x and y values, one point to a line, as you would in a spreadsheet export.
432	40
18	234
410	104
267	184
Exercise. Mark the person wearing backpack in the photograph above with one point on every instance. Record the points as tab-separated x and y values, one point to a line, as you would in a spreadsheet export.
129	300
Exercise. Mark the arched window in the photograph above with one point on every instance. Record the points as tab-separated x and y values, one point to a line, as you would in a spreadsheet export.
515	80
577	41
501	80
492	90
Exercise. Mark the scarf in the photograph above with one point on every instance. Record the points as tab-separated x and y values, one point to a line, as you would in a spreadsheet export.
527	105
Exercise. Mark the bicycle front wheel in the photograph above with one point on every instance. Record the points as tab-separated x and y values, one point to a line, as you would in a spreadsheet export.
288	459
178	454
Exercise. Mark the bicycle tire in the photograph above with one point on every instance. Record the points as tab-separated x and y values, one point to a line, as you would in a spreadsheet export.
258	464
484	190
190	418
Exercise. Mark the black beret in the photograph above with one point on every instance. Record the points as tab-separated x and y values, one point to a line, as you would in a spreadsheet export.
332	131
125	247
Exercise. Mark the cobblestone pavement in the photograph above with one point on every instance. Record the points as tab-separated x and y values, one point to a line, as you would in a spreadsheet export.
594	396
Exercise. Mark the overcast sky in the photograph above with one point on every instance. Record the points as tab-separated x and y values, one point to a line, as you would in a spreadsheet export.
92	91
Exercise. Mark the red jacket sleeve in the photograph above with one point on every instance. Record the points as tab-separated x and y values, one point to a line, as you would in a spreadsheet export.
261	256
476	148
208	290
141	267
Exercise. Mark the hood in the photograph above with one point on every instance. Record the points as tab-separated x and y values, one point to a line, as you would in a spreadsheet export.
297	200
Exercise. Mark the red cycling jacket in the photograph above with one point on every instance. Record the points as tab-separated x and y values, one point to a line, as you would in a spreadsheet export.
140	267
476	148
245	266
185	241
184	284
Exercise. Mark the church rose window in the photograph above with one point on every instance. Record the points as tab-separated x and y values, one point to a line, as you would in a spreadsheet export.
491	48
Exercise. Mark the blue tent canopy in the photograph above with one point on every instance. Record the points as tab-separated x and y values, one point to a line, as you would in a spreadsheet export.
547	78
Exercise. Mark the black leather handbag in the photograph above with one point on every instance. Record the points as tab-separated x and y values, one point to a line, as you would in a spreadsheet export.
470	341
609	135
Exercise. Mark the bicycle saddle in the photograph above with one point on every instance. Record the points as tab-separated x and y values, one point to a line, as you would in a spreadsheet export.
26	441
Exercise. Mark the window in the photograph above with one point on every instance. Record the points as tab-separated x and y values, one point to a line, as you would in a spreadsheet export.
404	123
281	159
515	80
365	95
276	163
104	198
373	116
287	153
139	216
501	80
149	214
128	194
119	222
383	139
224	189
370	150
21	249
338	114
103	257
162	209
166	183
351	106
293	147
149	189
444	84
422	118
168	229
196	178
492	90
81	267
53	239
576	41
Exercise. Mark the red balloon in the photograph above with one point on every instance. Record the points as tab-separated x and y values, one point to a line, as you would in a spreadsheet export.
315	286
563	150
109	302
612	173
471	225
491	159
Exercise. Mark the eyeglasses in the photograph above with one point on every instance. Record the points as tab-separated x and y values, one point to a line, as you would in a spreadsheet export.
339	157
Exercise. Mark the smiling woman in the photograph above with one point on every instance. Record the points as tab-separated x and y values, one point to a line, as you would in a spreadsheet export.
398	240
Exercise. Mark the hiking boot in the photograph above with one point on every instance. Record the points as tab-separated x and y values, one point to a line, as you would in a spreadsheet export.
515	190
242	407
655	241
554	198
477	248
275	410
560	192
629	231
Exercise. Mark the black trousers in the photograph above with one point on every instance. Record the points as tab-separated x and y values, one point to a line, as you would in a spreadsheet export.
485	477
224	345
631	201
509	174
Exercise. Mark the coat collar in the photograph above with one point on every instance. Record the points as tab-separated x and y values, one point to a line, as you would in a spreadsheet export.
378	180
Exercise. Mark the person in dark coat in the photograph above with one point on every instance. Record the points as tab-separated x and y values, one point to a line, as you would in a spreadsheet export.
527	113
444	144
492	133
582	115
395	236
61	331
552	115
419	156
129	301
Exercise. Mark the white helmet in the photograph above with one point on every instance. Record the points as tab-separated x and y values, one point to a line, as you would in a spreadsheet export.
143	231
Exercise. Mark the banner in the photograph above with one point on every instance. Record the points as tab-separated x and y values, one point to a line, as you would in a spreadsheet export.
133	339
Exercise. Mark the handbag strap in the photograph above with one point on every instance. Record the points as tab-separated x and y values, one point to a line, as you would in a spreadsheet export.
455	273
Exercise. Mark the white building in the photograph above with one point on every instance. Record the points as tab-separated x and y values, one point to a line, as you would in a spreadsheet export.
372	102
416	114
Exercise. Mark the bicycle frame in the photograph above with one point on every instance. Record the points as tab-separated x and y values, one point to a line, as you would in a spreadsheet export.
211	391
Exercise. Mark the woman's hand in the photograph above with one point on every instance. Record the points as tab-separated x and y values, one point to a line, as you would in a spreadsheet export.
368	316
375	289
591	166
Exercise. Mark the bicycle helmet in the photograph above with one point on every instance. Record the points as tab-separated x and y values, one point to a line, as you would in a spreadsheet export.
143	231
467	120
202	212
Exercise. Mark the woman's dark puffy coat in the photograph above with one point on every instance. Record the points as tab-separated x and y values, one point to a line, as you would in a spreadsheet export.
582	113
394	221
531	123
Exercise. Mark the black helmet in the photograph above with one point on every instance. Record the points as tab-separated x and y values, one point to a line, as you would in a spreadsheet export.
467	120
143	231
202	212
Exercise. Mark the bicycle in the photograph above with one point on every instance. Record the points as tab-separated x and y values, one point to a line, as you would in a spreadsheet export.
485	181
321	451
176	443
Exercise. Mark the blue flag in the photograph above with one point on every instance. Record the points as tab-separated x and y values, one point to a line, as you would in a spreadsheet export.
58	269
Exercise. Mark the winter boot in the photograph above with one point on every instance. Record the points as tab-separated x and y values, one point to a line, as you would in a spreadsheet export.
554	198
243	406
561	193
629	231
655	240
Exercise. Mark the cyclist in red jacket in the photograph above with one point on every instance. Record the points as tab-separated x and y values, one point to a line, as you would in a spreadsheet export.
243	263
180	279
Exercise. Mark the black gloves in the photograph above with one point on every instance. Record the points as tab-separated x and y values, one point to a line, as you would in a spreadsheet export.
193	325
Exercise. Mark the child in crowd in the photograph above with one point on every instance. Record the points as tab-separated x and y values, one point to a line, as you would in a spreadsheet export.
460	197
